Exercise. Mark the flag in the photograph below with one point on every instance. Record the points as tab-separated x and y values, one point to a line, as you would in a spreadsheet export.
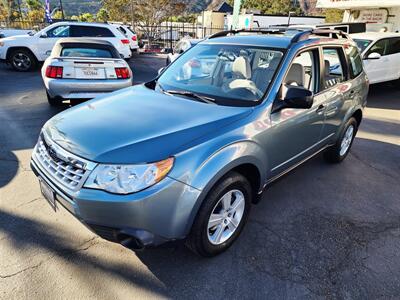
47	12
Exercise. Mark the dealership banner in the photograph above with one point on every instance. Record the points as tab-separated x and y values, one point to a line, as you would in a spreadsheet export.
47	12
355	4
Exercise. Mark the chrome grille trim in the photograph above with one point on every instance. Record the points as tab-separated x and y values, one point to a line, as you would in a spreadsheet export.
64	168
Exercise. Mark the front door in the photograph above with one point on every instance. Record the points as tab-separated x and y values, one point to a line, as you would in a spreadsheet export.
378	70
46	44
295	133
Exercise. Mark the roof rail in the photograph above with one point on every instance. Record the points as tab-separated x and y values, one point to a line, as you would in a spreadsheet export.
304	35
300	35
236	31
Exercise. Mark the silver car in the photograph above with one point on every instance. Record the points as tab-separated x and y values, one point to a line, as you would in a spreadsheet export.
84	69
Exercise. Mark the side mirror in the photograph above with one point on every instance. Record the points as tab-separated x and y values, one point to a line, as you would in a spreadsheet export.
294	97
43	35
48	52
374	55
161	70
121	55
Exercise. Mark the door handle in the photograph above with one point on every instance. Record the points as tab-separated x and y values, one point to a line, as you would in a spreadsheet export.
320	109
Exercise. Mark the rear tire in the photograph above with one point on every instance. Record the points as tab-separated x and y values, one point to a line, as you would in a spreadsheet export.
22	60
338	152
53	101
218	223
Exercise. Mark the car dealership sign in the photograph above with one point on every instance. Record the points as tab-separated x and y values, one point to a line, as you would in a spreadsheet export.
355	4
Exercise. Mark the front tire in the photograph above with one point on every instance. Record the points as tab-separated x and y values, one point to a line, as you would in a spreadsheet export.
222	216
22	60
338	152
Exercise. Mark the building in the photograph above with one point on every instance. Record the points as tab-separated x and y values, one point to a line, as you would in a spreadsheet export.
382	15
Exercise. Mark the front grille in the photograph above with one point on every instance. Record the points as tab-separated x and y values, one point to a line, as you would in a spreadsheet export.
62	166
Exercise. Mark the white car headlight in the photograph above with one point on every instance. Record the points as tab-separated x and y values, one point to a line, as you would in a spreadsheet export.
125	179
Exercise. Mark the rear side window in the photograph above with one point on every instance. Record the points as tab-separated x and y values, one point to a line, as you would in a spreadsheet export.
90	31
333	69
86	52
356	65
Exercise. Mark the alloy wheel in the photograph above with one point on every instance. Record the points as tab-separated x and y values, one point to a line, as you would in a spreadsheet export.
21	61
346	141
225	217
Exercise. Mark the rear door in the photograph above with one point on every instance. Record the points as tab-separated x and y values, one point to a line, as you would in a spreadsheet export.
393	54
337	90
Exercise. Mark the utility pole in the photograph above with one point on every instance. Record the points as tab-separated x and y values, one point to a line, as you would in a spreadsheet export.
62	10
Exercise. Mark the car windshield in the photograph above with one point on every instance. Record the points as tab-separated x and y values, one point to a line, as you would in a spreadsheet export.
86	52
362	44
229	74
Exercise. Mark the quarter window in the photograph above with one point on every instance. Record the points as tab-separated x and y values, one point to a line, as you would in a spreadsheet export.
356	65
333	68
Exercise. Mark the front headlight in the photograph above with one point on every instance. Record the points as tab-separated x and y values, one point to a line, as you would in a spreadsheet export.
125	179
1	44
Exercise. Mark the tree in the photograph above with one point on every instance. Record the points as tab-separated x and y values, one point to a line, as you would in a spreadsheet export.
35	10
58	15
333	15
146	14
86	17
273	7
102	15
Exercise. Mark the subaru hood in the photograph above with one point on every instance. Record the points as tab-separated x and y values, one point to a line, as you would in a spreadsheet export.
137	125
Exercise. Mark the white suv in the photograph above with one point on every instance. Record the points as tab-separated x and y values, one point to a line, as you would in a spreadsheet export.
130	34
381	55
25	51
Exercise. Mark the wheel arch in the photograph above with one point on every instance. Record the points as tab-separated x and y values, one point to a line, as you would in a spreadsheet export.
358	115
10	50
252	165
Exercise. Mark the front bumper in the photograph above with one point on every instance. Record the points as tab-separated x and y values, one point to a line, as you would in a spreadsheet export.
83	89
148	218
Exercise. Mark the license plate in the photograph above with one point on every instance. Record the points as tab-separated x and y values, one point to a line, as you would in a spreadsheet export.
90	73
48	194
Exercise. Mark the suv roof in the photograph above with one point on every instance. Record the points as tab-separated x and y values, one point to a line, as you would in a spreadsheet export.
277	38
82	23
375	35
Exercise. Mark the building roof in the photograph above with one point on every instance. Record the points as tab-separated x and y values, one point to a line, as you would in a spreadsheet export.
220	6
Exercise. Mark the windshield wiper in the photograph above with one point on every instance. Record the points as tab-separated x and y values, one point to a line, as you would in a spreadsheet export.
198	97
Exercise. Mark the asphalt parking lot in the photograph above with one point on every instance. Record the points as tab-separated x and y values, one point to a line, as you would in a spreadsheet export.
322	231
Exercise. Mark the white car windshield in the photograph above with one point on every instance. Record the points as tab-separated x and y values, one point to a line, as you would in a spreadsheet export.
223	72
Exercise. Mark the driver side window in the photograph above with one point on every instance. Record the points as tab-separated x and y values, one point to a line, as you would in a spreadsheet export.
379	47
58	32
303	71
